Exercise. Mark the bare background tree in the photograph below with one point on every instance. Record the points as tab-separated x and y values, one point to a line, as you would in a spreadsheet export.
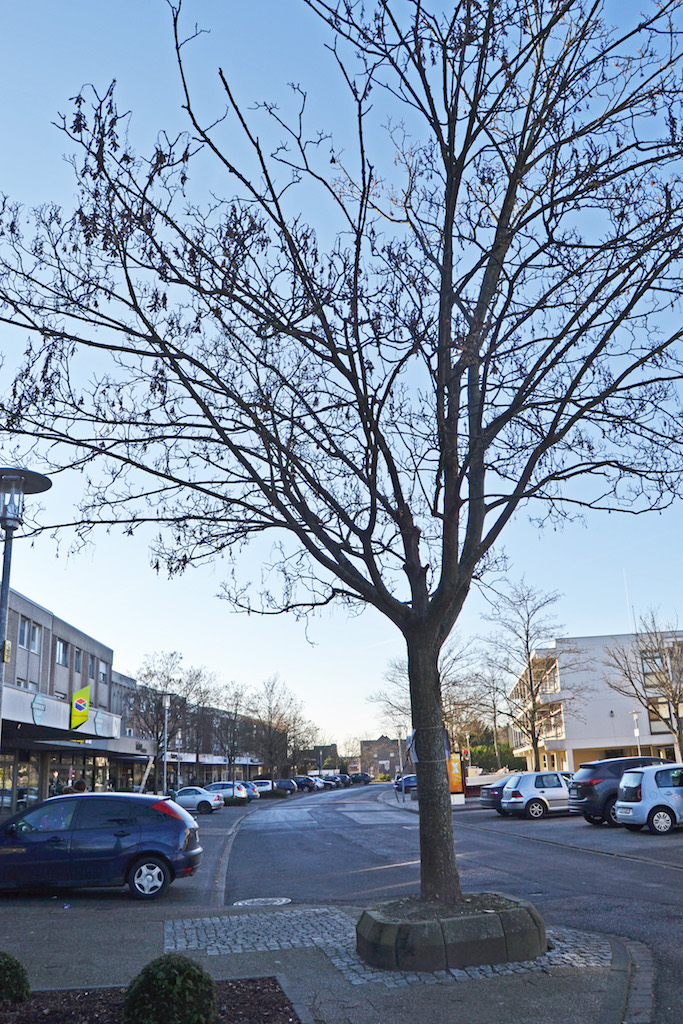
232	731
519	651
276	711
191	690
650	670
485	320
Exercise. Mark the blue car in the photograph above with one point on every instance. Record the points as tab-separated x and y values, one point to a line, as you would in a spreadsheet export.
406	783
100	839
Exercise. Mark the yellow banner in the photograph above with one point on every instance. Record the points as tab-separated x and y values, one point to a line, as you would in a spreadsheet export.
80	706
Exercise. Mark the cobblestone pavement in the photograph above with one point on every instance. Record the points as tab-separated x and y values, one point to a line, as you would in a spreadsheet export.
334	933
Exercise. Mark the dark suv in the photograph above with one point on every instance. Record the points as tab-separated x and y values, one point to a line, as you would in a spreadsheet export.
100	839
593	788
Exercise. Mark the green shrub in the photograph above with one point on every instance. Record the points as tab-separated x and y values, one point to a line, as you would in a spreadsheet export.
14	986
171	990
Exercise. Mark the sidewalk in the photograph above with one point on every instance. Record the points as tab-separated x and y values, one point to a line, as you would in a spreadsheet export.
584	979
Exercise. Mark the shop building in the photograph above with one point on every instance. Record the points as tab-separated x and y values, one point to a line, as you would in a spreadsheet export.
62	711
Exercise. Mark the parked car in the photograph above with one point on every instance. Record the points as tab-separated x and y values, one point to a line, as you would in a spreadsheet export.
490	796
289	785
100	839
593	789
334	779
253	792
653	796
305	783
535	794
344	779
230	791
406	783
327	782
264	785
196	798
361	778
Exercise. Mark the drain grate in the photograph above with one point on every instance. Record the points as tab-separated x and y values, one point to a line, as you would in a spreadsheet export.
264	901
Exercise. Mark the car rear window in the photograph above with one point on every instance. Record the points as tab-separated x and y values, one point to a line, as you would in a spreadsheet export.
513	781
585	772
629	780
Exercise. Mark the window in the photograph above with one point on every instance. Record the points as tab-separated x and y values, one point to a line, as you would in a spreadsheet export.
104	813
668	778
77	660
36	632
23	631
103	672
51	817
21	683
62	653
91	666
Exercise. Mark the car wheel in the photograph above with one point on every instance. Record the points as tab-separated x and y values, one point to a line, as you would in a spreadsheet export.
204	808
593	819
660	821
499	810
610	813
633	828
148	878
535	809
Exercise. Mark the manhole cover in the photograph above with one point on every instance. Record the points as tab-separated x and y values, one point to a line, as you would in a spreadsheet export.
263	901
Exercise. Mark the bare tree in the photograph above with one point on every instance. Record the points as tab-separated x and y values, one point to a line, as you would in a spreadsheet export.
232	731
481	323
461	692
650	670
276	710
519	650
189	689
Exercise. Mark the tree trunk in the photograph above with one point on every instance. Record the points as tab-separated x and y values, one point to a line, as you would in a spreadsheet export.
439	874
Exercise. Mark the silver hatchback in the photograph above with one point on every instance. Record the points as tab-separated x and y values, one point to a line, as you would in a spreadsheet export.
535	794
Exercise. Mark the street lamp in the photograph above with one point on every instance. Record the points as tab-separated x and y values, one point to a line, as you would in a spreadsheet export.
14	484
165	703
636	730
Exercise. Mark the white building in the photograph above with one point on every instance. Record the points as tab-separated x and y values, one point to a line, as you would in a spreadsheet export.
581	718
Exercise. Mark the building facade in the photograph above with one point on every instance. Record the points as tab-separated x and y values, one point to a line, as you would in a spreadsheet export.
384	756
579	716
44	748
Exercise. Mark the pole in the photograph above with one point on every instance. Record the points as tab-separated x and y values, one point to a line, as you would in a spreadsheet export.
4	608
166	703
636	730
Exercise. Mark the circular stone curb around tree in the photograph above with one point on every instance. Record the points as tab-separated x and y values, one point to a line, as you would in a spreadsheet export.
512	930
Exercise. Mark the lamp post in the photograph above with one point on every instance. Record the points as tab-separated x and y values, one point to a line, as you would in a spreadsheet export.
14	484
165	703
636	730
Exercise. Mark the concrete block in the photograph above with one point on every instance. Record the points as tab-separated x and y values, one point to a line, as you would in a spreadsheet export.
376	940
420	946
522	938
473	939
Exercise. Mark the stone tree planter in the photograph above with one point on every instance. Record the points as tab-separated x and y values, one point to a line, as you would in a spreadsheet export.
486	928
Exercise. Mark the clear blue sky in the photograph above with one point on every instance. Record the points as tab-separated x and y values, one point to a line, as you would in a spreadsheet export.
51	49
